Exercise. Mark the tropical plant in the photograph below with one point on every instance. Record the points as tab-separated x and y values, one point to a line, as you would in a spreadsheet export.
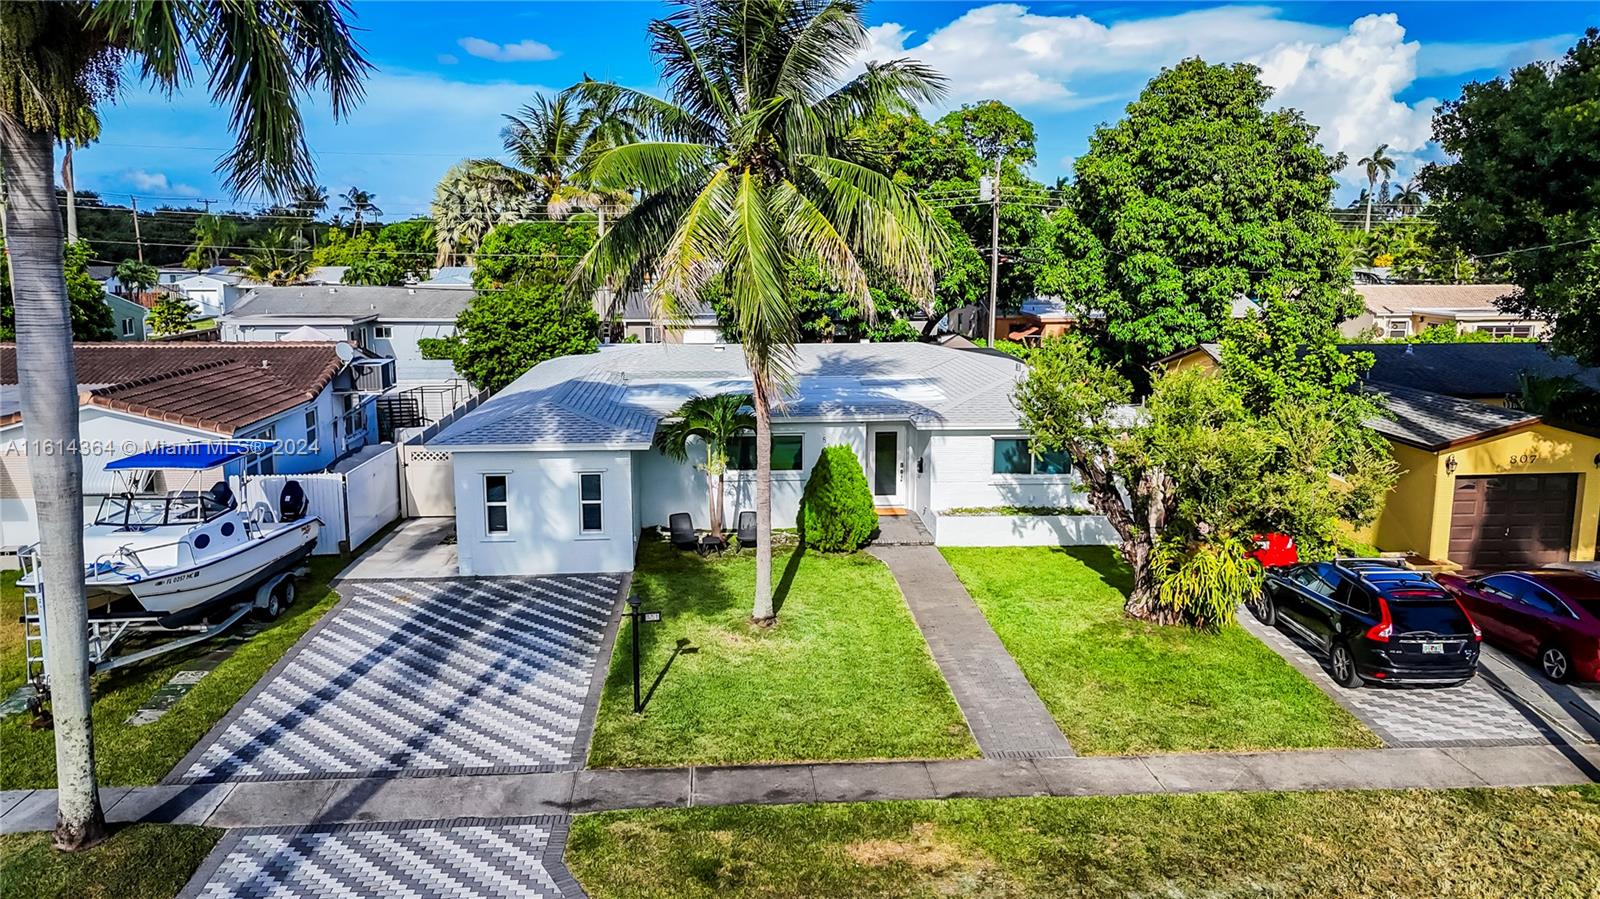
748	168
136	277
468	201
362	206
715	421
91	317
1203	584
213	234
57	62
1377	167
503	333
1523	191
836	509
170	315
278	258
307	200
1408	198
553	141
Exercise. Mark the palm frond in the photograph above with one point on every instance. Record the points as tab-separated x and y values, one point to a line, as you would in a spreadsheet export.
757	265
886	223
650	167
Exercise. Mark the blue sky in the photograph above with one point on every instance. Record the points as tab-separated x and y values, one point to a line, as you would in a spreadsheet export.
1368	73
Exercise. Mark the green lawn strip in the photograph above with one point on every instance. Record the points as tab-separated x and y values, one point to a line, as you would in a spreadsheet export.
1118	686
844	675
1470	843
144	861
134	756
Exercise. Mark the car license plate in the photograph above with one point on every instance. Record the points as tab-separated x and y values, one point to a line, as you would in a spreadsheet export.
1437	648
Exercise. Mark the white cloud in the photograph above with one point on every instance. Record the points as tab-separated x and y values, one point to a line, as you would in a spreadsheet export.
1349	87
1455	59
521	51
157	182
448	59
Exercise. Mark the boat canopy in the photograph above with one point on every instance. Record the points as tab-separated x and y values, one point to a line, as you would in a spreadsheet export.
191	456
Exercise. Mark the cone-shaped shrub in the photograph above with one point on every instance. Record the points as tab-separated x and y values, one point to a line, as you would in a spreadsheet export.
836	511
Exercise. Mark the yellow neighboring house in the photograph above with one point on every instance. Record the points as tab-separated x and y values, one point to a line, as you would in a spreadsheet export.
1485	486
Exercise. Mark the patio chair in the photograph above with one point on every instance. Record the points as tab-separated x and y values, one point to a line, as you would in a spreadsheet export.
681	528
747	528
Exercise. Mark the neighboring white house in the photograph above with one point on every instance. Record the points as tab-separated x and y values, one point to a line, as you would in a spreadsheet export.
555	474
631	318
213	293
314	401
386	321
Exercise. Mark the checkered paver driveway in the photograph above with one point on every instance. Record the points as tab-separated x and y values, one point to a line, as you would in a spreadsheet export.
1473	714
504	859
457	675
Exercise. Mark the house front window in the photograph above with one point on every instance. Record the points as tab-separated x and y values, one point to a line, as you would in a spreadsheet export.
127	327
1501	331
382	332
589	503
651	335
496	512
1398	328
1014	455
262	463
311	430
786	452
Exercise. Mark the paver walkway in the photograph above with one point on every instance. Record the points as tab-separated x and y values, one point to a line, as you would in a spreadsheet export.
405	677
1472	714
1007	718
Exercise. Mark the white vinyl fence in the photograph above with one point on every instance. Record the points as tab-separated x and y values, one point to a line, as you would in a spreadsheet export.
353	505
427	475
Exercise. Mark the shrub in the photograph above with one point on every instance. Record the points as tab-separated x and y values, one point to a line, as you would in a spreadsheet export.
836	511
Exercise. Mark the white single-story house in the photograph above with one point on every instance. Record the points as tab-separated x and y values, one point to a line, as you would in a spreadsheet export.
212	293
308	399
556	474
386	321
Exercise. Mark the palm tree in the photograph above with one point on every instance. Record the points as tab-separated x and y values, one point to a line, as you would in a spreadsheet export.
212	235
554	141
1408	198
716	421
277	258
1378	167
361	205
308	200
57	61
468	201
136	277
748	168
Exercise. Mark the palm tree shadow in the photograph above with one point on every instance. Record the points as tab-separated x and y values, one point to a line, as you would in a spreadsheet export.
790	569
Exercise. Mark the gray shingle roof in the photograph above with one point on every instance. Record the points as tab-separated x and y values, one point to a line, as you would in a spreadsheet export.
1432	421
1468	369
391	303
617	396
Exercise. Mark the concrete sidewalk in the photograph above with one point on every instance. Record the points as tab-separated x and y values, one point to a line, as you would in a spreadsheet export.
1007	718
372	800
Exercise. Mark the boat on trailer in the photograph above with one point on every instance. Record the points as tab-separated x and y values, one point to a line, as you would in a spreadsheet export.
189	560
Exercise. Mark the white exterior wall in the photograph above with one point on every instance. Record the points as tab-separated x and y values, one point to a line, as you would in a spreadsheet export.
402	344
214	296
961	474
543	513
666	486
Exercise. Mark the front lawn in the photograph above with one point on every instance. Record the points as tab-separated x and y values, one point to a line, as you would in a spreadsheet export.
144	861
132	756
844	675
1468	843
1118	686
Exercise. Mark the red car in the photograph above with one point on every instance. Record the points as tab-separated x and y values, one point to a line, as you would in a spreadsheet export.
1551	617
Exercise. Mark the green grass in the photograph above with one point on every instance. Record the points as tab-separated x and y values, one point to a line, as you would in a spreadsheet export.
845	674
132	756
1468	843
144	861
1118	686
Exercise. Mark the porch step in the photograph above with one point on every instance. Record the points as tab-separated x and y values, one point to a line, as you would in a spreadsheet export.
903	529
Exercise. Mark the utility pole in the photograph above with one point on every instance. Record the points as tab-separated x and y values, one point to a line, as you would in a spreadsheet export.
137	240
72	197
994	247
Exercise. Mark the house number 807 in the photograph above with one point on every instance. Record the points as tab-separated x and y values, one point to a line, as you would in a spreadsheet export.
1525	458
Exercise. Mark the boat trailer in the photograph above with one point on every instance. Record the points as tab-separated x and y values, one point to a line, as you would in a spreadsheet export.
107	631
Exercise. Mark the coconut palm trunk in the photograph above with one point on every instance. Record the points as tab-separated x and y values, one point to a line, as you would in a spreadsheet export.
48	384
762	610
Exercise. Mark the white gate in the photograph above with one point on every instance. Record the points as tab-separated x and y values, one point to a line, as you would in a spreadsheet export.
427	482
353	505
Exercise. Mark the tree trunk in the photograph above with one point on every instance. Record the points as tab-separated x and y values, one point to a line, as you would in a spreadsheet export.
762	612
714	485
49	395
1368	226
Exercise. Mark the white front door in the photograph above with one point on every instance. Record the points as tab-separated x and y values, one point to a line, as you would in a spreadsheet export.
886	465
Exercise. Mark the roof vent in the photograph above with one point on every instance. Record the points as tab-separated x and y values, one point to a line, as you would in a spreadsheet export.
1411	349
333	290
411	290
719	347
265	364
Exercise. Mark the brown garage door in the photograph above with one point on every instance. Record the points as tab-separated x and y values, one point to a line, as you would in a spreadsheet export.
1512	521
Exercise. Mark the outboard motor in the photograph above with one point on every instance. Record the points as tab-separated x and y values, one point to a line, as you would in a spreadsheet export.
291	502
222	494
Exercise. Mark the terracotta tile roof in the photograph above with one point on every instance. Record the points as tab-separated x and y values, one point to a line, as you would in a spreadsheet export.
219	387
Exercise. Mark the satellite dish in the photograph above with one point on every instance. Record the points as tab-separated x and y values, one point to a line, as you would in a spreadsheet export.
345	351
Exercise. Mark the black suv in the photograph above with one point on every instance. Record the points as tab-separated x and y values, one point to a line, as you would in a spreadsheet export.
1375	620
